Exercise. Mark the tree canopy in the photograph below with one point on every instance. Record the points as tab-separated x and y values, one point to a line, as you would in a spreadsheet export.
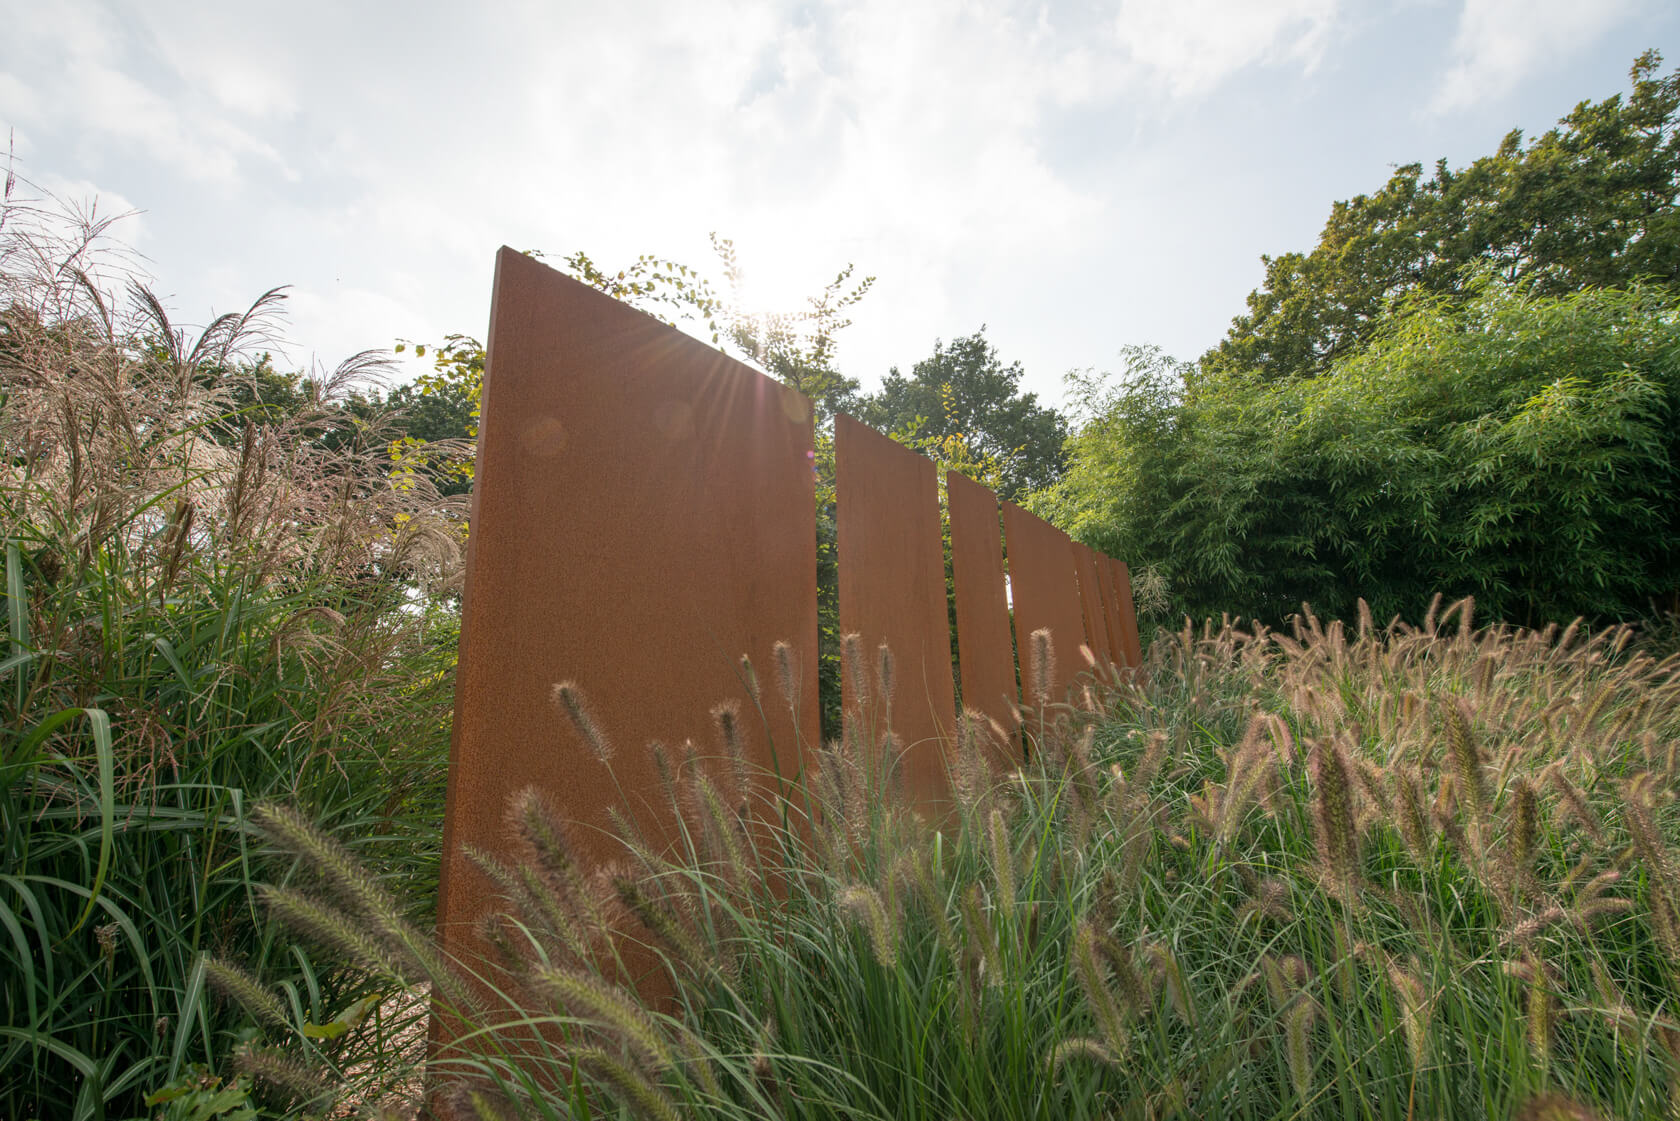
964	389
1591	203
1517	446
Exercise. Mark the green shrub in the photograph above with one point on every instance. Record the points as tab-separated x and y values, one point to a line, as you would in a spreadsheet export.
207	602
1518	448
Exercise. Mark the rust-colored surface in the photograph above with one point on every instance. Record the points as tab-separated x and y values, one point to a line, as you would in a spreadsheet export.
1045	593
984	650
1111	609
643	515
1086	563
1130	644
892	590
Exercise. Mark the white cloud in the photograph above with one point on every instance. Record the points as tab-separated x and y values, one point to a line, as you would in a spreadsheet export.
18	99
338	324
904	137
1192	46
1501	42
76	59
1011	161
237	53
97	203
897	137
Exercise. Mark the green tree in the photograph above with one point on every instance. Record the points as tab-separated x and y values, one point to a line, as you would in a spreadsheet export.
964	390
1518	447
1591	203
439	414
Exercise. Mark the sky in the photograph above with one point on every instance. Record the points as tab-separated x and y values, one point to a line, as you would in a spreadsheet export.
1075	175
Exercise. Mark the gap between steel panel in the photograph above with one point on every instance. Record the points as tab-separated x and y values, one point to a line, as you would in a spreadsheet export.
892	590
985	652
1046	594
643	515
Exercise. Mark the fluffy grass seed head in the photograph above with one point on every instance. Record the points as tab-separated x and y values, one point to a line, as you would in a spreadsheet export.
1416	1007
1524	834
1270	900
787	673
726	716
1573	803
1542	1011
669	928
354	886
749	678
1466	758
886	677
284	1072
1043	669
1410	815
246	991
1091	968
1288	979
568	698
333	930
851	656
1554	1107
1003	857
1333	815
475	1102
620	1015
1081	1047
644	1098
864	904
971	771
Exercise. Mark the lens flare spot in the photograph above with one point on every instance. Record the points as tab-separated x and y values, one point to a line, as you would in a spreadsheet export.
797	408
674	419
544	437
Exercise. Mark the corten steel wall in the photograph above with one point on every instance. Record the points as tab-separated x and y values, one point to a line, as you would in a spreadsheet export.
1131	642
984	652
1111	610
1091	601
643	515
1045	592
892	590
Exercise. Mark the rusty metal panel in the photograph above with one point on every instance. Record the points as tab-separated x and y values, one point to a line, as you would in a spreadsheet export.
1091	601
985	653
892	590
1111	608
1045	593
643	515
1131	644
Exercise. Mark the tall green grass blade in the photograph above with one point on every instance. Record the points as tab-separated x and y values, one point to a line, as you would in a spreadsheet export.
28	746
23	963
40	1041
100	724
17	613
188	1011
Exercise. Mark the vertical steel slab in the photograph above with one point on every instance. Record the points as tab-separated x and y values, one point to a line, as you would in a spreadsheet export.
1091	601
643	515
1111	609
1045	593
985	653
892	590
1131	644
